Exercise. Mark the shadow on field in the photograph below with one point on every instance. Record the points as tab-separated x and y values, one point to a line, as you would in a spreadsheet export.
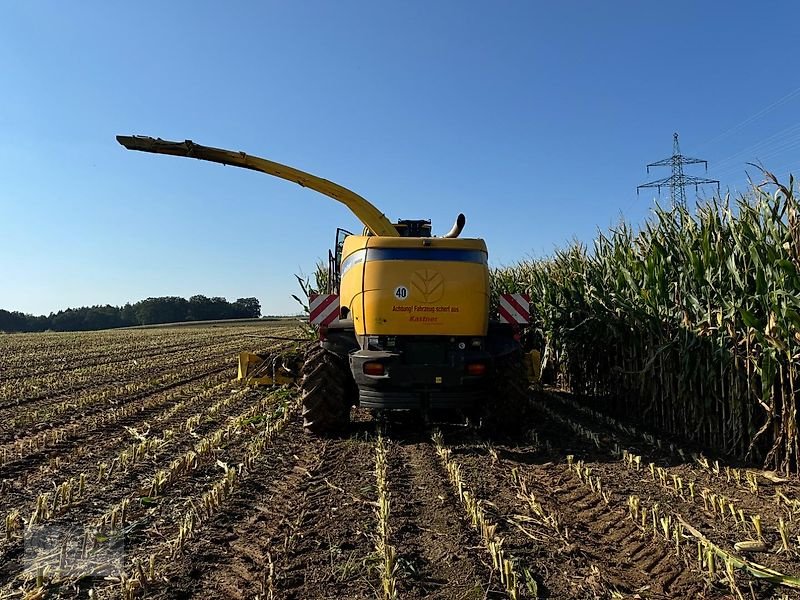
667	450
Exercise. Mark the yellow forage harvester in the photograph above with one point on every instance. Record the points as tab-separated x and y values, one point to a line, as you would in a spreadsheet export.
405	322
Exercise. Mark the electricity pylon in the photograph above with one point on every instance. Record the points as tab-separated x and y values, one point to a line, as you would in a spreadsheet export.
677	181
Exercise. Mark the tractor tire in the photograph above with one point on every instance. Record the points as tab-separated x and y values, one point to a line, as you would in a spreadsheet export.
507	410
325	383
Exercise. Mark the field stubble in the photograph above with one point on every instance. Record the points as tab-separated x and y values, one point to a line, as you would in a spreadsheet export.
143	439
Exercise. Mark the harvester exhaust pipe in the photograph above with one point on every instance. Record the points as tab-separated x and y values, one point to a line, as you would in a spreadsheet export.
457	227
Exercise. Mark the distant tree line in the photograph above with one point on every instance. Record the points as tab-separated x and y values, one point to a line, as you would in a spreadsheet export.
167	309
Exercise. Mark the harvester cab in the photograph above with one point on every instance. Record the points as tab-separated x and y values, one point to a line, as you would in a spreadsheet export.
404	323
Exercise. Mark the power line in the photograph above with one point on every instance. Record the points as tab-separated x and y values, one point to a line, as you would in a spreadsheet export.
770	155
786	135
677	182
784	141
752	118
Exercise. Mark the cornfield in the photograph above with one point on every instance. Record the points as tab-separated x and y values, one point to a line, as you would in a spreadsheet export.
134	465
691	323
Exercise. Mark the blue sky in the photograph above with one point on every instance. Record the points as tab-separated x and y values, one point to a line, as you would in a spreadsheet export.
535	119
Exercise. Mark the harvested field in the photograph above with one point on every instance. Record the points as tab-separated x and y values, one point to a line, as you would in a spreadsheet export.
132	464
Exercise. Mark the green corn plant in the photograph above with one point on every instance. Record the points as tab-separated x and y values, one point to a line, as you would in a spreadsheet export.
690	320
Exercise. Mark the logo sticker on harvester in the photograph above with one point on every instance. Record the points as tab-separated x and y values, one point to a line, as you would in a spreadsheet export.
401	292
428	284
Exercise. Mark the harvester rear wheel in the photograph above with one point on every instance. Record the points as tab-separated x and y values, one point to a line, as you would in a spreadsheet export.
325	384
508	407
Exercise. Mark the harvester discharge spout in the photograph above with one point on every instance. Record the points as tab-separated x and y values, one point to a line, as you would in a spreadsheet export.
365	211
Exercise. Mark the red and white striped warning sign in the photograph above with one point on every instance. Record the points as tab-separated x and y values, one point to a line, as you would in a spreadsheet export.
323	309
515	308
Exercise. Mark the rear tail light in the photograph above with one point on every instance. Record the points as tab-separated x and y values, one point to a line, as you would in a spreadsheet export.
374	368
476	369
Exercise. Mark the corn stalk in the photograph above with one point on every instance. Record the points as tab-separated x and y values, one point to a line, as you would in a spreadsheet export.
692	322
